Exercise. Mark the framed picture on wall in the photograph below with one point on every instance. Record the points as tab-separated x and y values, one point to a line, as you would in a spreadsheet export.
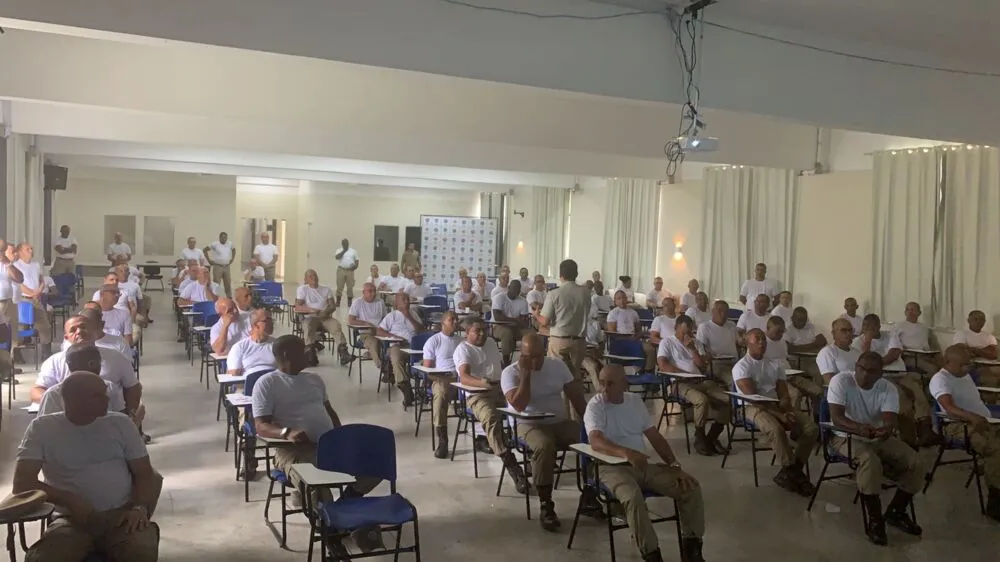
386	243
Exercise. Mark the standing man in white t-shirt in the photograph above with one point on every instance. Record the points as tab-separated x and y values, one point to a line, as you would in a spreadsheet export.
439	352
536	383
193	253
32	288
317	304
65	248
220	255
867	406
10	280
347	262
267	254
759	285
617	422
119	251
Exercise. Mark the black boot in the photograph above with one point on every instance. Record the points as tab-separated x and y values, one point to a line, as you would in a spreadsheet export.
312	358
345	354
993	504
874	523
349	301
898	515
547	510
441	451
713	438
803	486
515	473
654	556
691	549
701	445
407	391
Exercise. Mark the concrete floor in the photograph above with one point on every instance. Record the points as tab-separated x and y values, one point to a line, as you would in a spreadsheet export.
202	515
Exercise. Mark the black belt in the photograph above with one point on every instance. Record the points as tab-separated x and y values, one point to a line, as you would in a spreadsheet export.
567	337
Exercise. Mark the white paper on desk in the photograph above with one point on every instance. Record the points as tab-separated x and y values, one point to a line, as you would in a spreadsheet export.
758	397
993	420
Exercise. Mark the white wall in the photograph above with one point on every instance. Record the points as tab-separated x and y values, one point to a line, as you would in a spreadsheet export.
270	202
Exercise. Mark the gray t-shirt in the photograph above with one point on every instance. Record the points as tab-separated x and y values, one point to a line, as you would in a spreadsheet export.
91	460
294	401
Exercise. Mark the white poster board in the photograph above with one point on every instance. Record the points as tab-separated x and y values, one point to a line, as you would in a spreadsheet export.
449	243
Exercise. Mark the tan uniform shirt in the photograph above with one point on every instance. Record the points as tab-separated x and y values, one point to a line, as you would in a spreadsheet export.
410	259
566	309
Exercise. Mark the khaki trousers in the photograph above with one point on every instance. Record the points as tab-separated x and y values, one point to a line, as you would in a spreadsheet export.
722	370
65	541
892	457
61	266
330	324
986	443
221	273
269	272
627	484
571	351
485	407
371	345
400	364
649	350
767	421
287	455
345	277
912	398
545	440
707	397
803	386
508	335
442	393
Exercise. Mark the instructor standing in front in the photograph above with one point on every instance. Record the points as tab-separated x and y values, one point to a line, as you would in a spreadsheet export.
348	261
564	314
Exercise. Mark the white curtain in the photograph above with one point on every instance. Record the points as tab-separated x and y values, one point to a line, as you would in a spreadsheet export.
904	215
35	201
967	263
549	208
630	231
749	217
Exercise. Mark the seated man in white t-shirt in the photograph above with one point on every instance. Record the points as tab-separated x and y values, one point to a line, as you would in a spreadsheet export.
754	374
784	307
537	293
117	321
479	364
536	383
681	353
483	287
439	352
914	407
981	345
851	314
754	317
503	283
957	395
617	424
367	312
462	274
131	285
623	319
376	279
99	335
98	475
625	285
866	407
394	281
512	319
178	272
123	299
915	335
699	312
254	273
292	404
317	306
655	297
801	337
759	285
202	290
400	323
466	300
688	298
839	356
190	276
718	338
253	353
662	326
228	329
417	290
526	281
601	298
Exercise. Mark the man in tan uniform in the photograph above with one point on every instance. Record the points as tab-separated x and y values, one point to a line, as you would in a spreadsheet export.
411	257
564	314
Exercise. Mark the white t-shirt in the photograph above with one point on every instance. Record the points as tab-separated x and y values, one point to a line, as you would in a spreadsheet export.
699	316
855	321
397	324
265	253
629	292
194	254
750	320
52	401
461	297
689	300
832	359
293	401
195	292
221	253
546	388
109	341
377	281
124	298
348	258
800	336
484	362
32	275
237	331
973	339
131	288
783	312
860	405
718	340
122	249
913	335
440	349
115	369
65	243
776	350
90	460
256	274
251	356
371	312
765	373
662	324
526	285
117	322
623	424
497	291
418	291
674	351
625	319
395	284
604	302
315	298
963	392
483	291
6	284
535	297
752	287
511	308
882	345
655	298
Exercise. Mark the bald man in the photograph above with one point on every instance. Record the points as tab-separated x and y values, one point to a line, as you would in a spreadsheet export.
617	424
840	356
536	383
243	297
317	305
228	329
981	344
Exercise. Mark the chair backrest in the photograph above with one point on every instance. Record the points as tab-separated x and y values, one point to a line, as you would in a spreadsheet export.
358	449
26	313
824	410
439	289
734	314
418	340
628	347
270	289
79	271
206	309
151	270
646	314
252	379
439	301
65	283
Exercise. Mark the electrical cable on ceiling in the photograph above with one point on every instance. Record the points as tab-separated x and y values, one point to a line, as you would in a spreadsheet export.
551	16
688	30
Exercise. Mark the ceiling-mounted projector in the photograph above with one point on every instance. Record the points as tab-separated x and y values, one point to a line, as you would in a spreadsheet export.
697	143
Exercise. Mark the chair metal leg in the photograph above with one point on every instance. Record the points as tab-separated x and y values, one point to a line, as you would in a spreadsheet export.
819	482
979	484
729	444
753	451
934	467
576	521
416	539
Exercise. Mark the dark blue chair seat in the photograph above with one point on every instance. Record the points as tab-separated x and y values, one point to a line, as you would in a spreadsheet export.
645	378
27	333
279	476
348	514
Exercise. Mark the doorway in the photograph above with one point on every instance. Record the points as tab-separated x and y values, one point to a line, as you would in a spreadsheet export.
252	229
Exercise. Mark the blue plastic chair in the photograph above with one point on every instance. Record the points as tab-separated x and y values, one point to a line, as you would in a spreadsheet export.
66	295
421	384
741	420
439	289
28	335
272	294
364	450
438	301
79	281
246	445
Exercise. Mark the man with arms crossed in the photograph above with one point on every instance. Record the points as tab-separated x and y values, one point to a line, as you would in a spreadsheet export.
119	251
564	315
65	247
867	406
467	300
616	422
347	262
536	383
266	254
981	345
316	302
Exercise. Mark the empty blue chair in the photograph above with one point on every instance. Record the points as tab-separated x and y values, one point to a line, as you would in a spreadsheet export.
438	301
28	334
